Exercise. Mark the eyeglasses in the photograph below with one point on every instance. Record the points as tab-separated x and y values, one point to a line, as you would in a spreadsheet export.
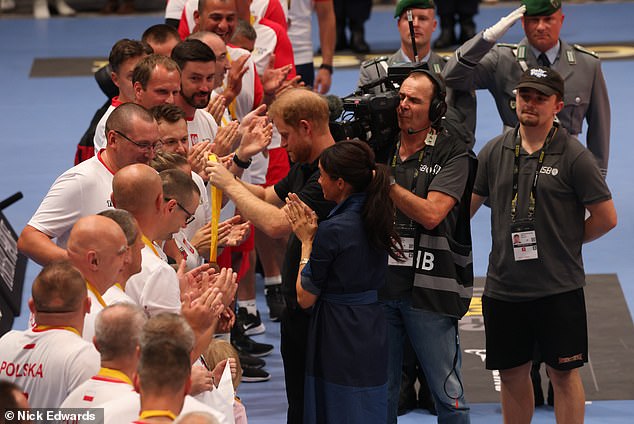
142	146
190	216
170	143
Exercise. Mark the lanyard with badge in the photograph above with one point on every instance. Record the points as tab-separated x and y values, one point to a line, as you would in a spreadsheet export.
409	231
523	235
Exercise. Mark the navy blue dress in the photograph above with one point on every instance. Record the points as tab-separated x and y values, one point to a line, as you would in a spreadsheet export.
346	366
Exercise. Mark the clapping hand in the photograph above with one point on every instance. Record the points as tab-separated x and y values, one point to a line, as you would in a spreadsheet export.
302	218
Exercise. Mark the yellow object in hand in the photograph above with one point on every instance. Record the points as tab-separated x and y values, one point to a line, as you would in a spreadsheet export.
216	203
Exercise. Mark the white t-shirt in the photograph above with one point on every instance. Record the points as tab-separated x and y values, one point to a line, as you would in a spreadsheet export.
125	409
155	288
300	30
99	389
47	364
116	295
202	127
245	100
264	46
81	191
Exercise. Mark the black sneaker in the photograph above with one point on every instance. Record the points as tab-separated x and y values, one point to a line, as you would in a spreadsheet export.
275	301
247	360
254	375
251	324
245	344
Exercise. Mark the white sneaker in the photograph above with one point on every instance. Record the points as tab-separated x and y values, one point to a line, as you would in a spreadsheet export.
40	9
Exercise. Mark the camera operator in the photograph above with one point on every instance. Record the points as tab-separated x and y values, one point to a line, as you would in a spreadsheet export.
430	289
462	110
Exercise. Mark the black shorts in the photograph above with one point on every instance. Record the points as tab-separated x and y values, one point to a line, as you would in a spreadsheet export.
555	327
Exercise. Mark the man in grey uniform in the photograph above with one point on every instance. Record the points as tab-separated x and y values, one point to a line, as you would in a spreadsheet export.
462	104
481	63
539	181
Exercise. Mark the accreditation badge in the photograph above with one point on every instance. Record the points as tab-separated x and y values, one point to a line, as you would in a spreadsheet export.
407	235
524	240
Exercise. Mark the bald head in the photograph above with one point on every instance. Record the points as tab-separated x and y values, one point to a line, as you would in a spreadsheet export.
136	187
98	247
58	288
213	40
124	116
94	232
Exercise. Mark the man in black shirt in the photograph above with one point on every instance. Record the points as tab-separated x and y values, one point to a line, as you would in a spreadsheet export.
301	117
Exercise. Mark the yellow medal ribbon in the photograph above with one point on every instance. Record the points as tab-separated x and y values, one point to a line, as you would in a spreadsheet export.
232	106
114	374
96	293
39	328
119	285
149	244
216	204
153	413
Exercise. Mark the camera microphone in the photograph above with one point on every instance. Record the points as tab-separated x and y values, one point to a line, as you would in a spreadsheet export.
411	131
335	106
10	200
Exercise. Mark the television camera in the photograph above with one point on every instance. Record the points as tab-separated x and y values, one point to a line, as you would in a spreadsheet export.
368	115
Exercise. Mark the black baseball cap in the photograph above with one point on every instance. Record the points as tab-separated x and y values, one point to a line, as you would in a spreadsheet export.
543	79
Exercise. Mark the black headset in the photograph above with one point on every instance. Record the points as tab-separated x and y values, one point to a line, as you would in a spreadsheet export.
438	106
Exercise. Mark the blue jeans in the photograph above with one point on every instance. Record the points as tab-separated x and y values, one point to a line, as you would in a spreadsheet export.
435	339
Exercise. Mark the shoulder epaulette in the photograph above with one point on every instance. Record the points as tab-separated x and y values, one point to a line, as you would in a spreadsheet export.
368	62
584	50
509	45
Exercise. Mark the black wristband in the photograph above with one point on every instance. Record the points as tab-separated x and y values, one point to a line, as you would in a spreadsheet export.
329	68
241	164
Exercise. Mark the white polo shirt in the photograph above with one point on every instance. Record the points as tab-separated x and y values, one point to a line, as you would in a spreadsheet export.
81	191
47	363
116	294
155	288
107	385
125	409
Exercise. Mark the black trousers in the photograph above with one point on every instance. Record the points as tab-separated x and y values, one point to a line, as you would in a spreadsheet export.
307	72
293	331
355	12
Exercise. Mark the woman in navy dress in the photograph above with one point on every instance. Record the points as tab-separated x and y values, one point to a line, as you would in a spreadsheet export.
344	261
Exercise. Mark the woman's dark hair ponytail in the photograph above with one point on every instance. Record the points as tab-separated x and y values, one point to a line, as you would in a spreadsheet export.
353	161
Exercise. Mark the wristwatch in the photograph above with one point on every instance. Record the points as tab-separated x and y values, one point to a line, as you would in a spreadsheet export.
329	68
240	163
392	180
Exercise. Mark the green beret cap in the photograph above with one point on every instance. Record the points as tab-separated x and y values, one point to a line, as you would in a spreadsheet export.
408	4
541	7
